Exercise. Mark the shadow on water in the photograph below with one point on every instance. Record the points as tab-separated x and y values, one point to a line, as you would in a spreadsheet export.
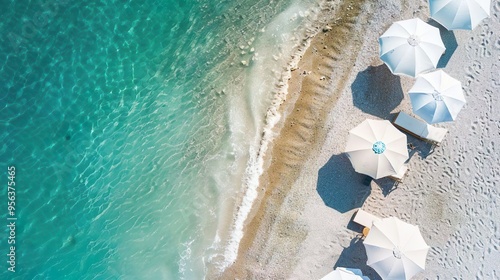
449	40
340	187
354	256
377	91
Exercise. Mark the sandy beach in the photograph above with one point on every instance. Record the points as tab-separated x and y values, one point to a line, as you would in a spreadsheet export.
301	228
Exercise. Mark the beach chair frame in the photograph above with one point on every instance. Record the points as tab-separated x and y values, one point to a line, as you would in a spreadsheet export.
433	143
398	178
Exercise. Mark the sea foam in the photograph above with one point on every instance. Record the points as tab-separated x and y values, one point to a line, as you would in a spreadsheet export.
275	47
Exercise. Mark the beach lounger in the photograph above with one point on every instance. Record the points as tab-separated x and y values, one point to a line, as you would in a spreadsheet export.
426	132
365	219
401	173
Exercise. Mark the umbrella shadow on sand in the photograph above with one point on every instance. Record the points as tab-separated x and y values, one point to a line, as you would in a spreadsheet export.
449	40
340	187
377	91
355	256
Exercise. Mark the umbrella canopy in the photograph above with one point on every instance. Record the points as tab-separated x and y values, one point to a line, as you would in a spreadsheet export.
341	273
395	249
410	47
437	97
459	14
376	148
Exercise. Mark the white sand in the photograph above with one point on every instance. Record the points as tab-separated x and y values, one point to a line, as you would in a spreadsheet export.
453	194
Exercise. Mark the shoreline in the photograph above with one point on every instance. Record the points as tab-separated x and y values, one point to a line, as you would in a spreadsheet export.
299	226
299	126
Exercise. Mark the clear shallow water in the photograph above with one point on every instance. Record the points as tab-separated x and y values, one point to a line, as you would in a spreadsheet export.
131	125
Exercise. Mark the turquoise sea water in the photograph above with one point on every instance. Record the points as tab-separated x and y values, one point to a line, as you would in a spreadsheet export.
131	125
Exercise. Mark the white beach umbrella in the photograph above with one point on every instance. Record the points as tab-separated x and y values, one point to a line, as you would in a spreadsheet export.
342	273
437	97
376	148
395	249
411	47
459	14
